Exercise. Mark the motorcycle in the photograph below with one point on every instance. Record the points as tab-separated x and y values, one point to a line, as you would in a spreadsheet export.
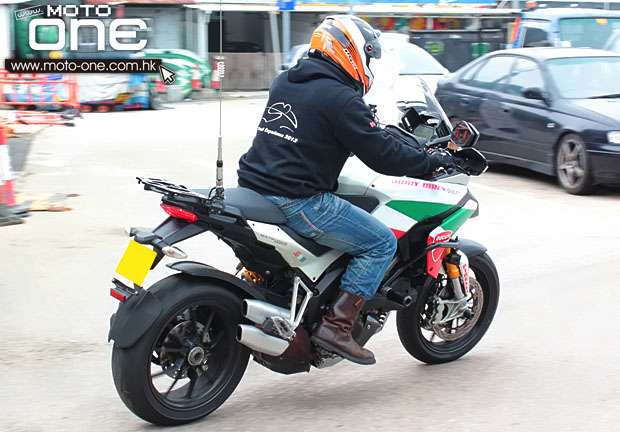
182	346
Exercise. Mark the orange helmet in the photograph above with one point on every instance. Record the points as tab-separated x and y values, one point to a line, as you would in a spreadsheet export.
349	42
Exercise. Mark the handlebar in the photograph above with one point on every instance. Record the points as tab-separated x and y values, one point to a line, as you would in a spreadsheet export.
438	141
467	161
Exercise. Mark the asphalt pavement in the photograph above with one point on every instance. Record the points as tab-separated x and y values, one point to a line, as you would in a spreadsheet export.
548	363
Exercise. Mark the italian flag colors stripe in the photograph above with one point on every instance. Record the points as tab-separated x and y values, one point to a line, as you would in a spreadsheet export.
398	222
419	210
415	211
457	219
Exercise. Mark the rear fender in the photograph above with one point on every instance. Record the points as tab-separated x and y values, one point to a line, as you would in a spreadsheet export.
136	315
133	318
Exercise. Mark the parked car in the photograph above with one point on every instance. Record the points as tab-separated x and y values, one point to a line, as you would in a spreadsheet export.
408	59
613	43
564	27
293	55
552	110
396	74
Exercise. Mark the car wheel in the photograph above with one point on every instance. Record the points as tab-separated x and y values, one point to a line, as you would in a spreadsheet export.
572	167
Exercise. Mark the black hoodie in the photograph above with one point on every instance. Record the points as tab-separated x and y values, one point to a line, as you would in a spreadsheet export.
315	118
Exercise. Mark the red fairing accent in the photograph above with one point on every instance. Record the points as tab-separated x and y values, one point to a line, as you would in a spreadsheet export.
398	233
432	267
179	213
434	257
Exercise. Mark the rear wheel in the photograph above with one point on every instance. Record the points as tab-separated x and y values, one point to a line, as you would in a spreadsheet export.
572	166
441	343
189	362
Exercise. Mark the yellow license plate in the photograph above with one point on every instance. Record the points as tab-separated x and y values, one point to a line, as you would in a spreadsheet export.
136	262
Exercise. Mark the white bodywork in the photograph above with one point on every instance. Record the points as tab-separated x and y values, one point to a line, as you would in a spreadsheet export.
293	253
357	179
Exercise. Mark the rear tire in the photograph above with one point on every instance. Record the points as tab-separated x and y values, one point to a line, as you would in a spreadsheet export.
412	322
189	362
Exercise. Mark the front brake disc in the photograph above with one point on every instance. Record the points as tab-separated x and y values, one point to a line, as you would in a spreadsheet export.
459	327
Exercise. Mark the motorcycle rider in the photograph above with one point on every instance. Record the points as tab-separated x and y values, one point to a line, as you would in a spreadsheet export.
314	119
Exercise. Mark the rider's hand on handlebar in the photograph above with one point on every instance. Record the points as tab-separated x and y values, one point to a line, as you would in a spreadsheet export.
441	159
467	161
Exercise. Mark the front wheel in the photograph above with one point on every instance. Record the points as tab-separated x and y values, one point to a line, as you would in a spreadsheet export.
189	362
441	343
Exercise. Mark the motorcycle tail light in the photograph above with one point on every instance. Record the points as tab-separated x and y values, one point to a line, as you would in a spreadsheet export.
179	213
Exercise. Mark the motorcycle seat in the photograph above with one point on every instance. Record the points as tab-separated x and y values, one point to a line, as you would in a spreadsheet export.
252	205
256	207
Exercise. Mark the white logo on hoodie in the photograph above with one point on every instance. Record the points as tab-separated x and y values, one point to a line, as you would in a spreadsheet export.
279	110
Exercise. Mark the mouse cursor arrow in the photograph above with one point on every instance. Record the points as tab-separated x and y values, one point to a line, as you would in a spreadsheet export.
167	75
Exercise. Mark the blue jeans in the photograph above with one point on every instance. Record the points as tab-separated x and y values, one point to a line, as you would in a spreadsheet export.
337	224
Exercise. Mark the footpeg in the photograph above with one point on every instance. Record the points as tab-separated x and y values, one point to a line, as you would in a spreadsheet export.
280	327
325	353
321	355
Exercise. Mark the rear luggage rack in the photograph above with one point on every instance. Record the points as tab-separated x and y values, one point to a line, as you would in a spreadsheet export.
209	208
174	192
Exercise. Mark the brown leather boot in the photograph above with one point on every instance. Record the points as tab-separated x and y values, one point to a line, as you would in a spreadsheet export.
334	332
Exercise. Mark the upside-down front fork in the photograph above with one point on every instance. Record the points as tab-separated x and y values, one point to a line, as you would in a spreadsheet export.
456	265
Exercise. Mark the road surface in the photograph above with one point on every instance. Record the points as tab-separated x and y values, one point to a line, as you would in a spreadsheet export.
549	361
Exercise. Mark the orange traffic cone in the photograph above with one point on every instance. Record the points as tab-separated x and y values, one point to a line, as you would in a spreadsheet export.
216	74
7	196
8	215
159	86
196	78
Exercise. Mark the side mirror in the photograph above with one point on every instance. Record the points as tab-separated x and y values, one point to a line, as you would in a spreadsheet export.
536	94
465	134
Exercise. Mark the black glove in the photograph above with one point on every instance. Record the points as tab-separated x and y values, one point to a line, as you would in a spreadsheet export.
441	159
470	161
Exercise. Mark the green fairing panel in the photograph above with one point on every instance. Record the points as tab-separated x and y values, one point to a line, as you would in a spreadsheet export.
456	220
419	210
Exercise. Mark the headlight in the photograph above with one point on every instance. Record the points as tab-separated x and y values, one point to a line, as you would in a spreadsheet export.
613	137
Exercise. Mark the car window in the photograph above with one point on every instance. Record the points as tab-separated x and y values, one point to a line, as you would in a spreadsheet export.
587	32
525	74
585	77
535	38
536	34
466	76
494	74
615	46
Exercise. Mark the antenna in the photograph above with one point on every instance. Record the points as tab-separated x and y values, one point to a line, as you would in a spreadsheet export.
219	172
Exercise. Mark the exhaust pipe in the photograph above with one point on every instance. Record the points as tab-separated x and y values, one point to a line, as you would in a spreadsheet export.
257	311
257	340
